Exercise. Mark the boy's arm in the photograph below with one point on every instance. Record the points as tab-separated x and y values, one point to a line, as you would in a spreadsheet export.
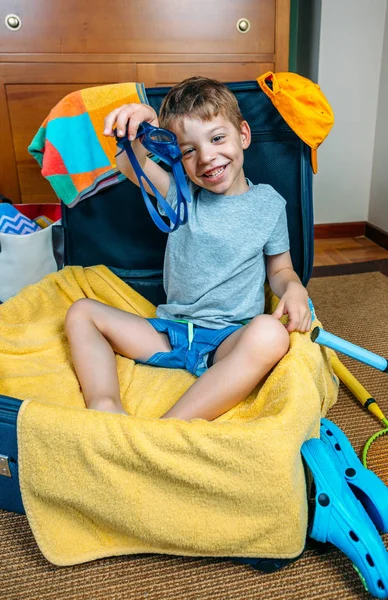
133	115
285	283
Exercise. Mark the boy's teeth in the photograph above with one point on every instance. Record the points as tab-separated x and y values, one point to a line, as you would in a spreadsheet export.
215	173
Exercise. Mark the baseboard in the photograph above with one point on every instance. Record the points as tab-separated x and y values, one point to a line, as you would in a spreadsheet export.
344	230
377	235
339	230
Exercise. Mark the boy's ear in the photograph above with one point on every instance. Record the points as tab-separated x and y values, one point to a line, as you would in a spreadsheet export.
245	135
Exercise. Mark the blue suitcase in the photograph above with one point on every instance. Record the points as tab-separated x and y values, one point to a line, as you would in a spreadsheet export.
114	228
10	497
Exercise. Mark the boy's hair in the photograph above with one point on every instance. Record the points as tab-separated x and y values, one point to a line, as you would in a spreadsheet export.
202	98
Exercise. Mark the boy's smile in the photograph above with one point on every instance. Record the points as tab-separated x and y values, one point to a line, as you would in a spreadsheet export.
213	153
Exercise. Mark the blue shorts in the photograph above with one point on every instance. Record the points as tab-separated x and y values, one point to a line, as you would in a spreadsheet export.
192	355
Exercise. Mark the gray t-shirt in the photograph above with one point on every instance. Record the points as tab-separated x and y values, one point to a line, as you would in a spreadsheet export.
214	266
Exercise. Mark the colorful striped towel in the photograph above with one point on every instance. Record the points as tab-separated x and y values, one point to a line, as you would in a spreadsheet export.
75	157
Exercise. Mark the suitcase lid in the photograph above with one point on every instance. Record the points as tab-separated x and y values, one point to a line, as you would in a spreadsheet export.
114	228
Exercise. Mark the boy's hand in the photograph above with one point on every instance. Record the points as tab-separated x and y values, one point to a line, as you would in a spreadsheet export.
131	114
294	303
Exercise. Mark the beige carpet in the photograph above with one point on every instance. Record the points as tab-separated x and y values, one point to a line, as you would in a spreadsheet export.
351	306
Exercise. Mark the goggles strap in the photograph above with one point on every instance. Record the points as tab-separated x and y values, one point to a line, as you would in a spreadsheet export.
176	218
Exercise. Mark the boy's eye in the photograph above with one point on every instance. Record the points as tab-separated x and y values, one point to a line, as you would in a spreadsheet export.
218	138
187	152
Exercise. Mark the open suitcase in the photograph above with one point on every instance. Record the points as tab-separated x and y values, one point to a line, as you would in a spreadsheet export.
113	228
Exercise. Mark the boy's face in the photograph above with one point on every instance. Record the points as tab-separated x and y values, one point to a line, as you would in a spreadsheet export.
213	153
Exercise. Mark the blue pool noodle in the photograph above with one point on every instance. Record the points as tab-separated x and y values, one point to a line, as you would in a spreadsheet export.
336	343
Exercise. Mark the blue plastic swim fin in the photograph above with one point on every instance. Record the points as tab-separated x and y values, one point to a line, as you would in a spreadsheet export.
341	519
366	485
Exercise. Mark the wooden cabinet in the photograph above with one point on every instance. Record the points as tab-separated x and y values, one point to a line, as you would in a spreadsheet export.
66	45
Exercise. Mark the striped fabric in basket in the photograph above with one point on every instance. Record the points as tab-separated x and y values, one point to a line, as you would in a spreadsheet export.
12	221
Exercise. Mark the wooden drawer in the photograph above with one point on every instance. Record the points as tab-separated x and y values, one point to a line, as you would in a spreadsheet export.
139	26
168	74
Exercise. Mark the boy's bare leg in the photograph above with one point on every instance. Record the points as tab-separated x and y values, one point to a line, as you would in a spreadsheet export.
241	362
95	332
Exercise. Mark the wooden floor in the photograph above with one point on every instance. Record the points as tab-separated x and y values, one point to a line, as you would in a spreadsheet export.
338	251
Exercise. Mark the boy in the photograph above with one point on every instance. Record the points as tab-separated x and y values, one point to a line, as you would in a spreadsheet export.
214	271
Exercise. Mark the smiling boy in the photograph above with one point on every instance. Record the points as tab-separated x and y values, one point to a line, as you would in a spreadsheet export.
212	323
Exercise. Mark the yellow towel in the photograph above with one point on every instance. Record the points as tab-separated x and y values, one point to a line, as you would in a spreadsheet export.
96	484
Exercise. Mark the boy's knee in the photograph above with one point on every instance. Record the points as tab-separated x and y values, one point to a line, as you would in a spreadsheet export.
78	311
267	332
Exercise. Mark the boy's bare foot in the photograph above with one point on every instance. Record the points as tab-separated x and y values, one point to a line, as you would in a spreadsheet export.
107	405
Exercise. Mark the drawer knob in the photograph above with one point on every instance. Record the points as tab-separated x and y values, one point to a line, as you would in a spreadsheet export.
13	22
243	25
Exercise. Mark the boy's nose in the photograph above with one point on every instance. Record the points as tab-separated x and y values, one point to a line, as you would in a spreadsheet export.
206	155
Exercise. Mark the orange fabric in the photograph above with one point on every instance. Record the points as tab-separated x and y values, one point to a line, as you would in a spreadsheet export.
70	106
302	105
86	179
314	160
100	101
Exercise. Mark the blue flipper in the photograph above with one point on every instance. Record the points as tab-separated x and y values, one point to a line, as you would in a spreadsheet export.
342	520
366	485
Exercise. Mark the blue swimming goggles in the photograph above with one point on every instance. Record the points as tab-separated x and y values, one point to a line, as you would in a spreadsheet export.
163	144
